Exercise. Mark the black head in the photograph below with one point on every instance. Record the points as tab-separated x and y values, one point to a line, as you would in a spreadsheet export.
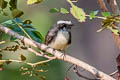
64	24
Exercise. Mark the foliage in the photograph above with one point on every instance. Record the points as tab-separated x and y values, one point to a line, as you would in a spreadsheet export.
106	14
109	23
26	25
93	14
62	10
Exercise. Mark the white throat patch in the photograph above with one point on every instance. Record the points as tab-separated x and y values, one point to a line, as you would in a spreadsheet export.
60	41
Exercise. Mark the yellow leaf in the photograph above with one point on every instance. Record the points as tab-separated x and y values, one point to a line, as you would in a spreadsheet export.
29	2
115	31
77	12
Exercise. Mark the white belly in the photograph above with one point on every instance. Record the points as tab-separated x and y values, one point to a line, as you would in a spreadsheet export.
61	40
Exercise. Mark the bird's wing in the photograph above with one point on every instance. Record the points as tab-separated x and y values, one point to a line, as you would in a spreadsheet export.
51	35
69	41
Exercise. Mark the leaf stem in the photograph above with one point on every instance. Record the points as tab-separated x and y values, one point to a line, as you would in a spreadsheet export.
100	17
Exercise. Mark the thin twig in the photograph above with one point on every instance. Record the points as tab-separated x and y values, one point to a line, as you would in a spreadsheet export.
113	73
80	75
100	17
40	54
2	42
28	63
41	62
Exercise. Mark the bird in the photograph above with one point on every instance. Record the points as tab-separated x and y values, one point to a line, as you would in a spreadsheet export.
59	36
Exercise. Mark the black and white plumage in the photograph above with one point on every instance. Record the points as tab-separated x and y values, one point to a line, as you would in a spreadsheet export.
59	36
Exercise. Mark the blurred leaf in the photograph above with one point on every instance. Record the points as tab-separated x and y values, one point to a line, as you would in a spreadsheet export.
29	2
17	13
13	4
3	4
8	62
77	12
42	78
4	13
115	31
22	57
93	14
54	10
64	11
1	65
106	14
27	22
0	56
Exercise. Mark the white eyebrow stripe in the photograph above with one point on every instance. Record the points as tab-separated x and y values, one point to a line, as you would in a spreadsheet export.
66	22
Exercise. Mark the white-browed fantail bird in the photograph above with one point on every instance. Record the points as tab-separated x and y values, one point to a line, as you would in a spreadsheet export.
59	36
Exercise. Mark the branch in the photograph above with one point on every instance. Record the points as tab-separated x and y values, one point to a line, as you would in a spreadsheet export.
114	6
40	54
115	9
28	63
58	54
102	5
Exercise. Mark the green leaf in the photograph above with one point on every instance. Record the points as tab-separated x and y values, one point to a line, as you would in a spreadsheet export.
64	11
22	57
93	14
29	2
54	10
3	4
17	13
13	4
106	14
37	34
77	12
